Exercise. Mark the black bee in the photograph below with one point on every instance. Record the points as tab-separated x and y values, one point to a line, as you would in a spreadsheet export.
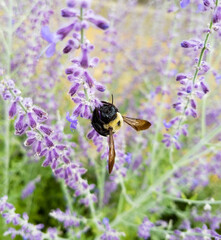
107	120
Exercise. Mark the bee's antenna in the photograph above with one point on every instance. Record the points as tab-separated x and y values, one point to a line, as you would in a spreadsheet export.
112	98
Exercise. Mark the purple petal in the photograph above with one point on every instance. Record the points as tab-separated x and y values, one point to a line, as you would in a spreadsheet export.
50	50
184	3
46	34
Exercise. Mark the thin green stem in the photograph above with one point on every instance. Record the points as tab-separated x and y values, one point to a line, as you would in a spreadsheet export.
101	183
66	195
82	30
7	152
124	192
189	201
189	233
6	104
203	117
120	204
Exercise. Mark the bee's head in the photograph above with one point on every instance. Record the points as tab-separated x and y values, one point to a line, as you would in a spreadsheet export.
107	112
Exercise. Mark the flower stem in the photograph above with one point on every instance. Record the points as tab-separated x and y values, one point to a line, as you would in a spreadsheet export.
203	117
7	151
82	30
203	50
189	201
6	104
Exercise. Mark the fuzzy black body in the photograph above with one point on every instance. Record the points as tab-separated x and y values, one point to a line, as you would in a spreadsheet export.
103	116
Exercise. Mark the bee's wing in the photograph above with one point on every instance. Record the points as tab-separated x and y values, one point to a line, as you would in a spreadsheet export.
111	151
137	124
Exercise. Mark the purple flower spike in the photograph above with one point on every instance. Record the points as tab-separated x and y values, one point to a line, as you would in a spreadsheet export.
32	122
29	141
39	147
204	87
190	43
91	134
43	152
85	3
87	113
68	13
48	159
67	49
20	126
208	3
73	120
28	190
84	57
100	87
63	32
45	130
51	38
13	109
193	103
89	79
48	142
144	228
66	159
181	76
167	125
71	3
55	154
77	110
217	15
40	113
74	89
99	21
61	147
184	3
69	70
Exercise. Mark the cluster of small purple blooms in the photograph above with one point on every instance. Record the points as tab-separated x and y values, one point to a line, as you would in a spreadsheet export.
196	175
40	14
27	230
30	187
192	85
185	231
83	85
110	234
34	232
30	121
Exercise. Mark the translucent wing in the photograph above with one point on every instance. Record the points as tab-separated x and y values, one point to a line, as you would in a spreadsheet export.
111	151
137	124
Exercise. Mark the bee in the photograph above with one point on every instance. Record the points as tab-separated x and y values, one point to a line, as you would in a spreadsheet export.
107	120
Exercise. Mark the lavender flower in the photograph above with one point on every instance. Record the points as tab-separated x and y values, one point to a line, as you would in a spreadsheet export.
55	154
145	228
51	38
67	218
184	3
110	234
192	85
72	120
28	190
